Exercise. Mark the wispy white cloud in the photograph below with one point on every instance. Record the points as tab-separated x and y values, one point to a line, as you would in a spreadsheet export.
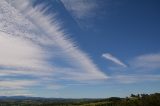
18	52
16	84
30	43
140	69
129	79
147	62
112	58
15	92
67	49
80	9
83	12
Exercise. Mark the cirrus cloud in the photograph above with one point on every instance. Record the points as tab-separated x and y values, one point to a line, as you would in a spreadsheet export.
31	43
112	58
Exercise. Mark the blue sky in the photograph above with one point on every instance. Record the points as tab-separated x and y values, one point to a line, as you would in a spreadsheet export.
79	48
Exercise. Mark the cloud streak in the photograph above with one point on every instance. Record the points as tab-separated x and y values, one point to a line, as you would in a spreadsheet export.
80	9
18	52
141	68
16	84
83	12
112	58
15	92
30	45
129	79
147	62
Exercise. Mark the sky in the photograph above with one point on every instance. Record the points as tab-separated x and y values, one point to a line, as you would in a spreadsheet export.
79	48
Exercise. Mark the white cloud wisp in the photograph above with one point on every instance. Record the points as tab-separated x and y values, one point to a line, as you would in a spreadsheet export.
129	79
113	59
141	68
31	42
147	62
80	9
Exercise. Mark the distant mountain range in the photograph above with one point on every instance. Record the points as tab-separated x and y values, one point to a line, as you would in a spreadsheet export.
42	98
19	97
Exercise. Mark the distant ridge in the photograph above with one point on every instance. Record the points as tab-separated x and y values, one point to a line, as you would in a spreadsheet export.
43	98
19	97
